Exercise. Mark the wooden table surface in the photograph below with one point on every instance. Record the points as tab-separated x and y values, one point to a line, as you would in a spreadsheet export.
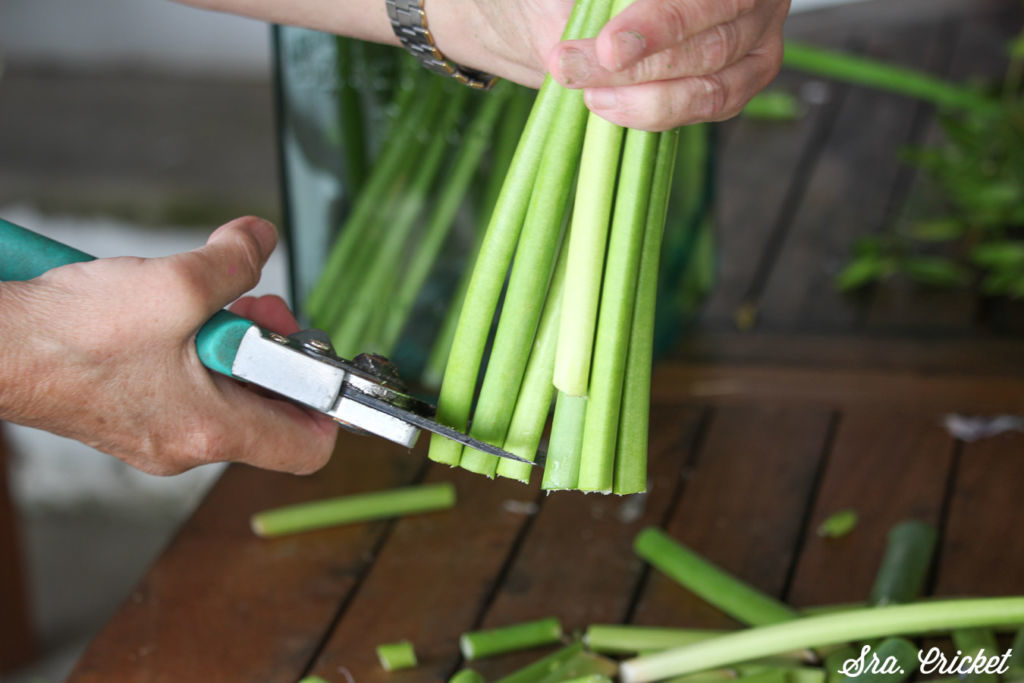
829	402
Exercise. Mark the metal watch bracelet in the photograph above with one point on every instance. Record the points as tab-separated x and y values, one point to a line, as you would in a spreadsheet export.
409	21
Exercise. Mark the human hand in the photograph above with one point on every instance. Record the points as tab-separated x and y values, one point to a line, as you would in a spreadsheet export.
104	352
656	65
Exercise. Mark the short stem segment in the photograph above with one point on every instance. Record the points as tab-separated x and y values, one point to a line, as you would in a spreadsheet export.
356	508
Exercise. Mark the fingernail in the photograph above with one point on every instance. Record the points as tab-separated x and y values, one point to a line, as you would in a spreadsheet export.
574	66
265	233
629	47
601	98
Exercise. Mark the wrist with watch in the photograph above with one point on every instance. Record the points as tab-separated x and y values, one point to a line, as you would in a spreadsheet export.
409	21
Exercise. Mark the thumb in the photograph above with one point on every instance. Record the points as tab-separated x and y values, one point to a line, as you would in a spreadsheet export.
226	267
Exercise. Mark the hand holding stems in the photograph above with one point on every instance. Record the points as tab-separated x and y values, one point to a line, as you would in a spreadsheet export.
104	352
659	64
656	65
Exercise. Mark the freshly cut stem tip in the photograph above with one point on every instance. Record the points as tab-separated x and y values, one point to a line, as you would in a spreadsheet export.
734	597
561	471
355	508
828	629
537	670
467	676
496	641
397	656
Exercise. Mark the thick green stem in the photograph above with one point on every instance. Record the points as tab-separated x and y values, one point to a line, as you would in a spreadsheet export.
876	74
900	650
588	238
619	639
396	656
617	308
465	164
543	667
356	508
905	565
562	468
527	285
828	629
496	641
467	676
491	265
737	599
534	401
972	642
631	449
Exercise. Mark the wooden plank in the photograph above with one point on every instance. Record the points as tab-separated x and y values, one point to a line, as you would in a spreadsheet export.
17	645
847	197
980	554
750	202
931	394
743	505
222	604
577	563
430	582
888	466
961	354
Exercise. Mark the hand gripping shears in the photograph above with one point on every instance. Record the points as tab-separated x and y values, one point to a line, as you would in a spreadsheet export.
364	395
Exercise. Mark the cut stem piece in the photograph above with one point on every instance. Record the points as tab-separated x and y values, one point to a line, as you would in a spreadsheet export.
562	469
356	508
544	667
618	639
734	597
397	656
906	563
479	644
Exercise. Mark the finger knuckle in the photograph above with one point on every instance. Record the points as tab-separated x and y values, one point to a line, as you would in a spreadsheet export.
713	98
184	277
676	17
656	112
716	48
206	441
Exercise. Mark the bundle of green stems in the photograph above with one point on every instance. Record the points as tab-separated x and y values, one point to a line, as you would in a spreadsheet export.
567	275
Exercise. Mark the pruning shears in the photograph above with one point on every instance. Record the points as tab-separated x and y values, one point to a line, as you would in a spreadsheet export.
364	395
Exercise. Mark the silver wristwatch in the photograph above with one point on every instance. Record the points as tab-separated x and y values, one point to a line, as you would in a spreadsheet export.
409	21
